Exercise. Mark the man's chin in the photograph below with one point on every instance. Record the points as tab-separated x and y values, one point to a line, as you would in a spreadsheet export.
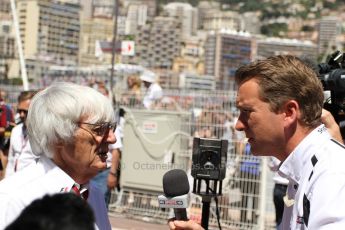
257	152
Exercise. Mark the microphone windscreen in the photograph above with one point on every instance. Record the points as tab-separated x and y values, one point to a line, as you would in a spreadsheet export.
175	183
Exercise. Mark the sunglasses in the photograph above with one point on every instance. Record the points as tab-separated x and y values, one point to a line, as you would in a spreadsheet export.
22	111
101	129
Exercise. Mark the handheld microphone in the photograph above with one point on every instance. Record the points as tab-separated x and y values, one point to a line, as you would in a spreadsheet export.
176	189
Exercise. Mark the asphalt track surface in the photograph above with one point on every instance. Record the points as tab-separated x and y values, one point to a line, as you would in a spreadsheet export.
119	222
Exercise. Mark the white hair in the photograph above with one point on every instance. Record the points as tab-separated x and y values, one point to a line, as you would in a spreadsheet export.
55	112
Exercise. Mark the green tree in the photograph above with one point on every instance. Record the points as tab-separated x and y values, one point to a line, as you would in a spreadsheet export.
274	29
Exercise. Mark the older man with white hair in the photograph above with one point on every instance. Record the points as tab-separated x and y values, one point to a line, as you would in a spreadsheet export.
153	90
70	128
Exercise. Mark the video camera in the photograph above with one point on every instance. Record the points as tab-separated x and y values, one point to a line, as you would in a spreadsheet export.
332	77
209	164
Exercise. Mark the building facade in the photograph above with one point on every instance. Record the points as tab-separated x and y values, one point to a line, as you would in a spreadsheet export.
276	46
157	44
225	51
328	30
49	32
186	15
216	20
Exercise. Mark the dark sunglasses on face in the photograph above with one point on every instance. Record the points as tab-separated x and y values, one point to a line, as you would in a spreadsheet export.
101	129
22	111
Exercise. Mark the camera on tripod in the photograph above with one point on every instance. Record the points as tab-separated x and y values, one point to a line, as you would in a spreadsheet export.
332	77
209	164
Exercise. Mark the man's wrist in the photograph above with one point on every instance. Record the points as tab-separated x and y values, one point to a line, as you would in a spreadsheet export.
113	173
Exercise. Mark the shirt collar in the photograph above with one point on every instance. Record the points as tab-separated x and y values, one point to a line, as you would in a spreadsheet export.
62	181
293	166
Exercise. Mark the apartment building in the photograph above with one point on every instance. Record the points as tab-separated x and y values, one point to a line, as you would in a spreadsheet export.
186	15
5	7
7	41
49	32
275	46
93	31
225	51
216	20
136	16
328	30
203	8
157	44
151	6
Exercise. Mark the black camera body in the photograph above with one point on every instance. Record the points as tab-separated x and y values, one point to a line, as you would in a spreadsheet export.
332	73
209	166
332	77
209	158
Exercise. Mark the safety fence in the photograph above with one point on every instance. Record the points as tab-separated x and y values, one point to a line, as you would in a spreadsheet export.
246	203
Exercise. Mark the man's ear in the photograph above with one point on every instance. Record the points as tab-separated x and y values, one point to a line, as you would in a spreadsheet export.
291	111
59	144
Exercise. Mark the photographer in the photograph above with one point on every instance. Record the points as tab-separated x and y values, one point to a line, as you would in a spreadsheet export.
332	127
280	101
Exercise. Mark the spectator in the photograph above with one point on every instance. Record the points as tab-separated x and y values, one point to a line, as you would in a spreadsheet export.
6	125
107	179
70	127
20	154
133	94
280	101
153	90
332	127
64	211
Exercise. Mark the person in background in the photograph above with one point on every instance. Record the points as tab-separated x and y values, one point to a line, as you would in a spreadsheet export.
153	90
107	179
55	212
280	101
332	127
6	125
133	93
20	154
70	127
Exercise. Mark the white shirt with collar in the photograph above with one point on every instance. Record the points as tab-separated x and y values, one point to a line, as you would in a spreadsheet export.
274	164
38	179
116	145
20	154
316	190
153	93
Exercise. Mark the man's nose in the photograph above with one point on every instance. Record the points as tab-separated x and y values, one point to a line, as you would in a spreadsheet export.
239	126
111	137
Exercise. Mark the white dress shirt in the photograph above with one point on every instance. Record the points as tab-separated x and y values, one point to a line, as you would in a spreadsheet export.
116	145
20	154
274	164
316	190
38	179
153	93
